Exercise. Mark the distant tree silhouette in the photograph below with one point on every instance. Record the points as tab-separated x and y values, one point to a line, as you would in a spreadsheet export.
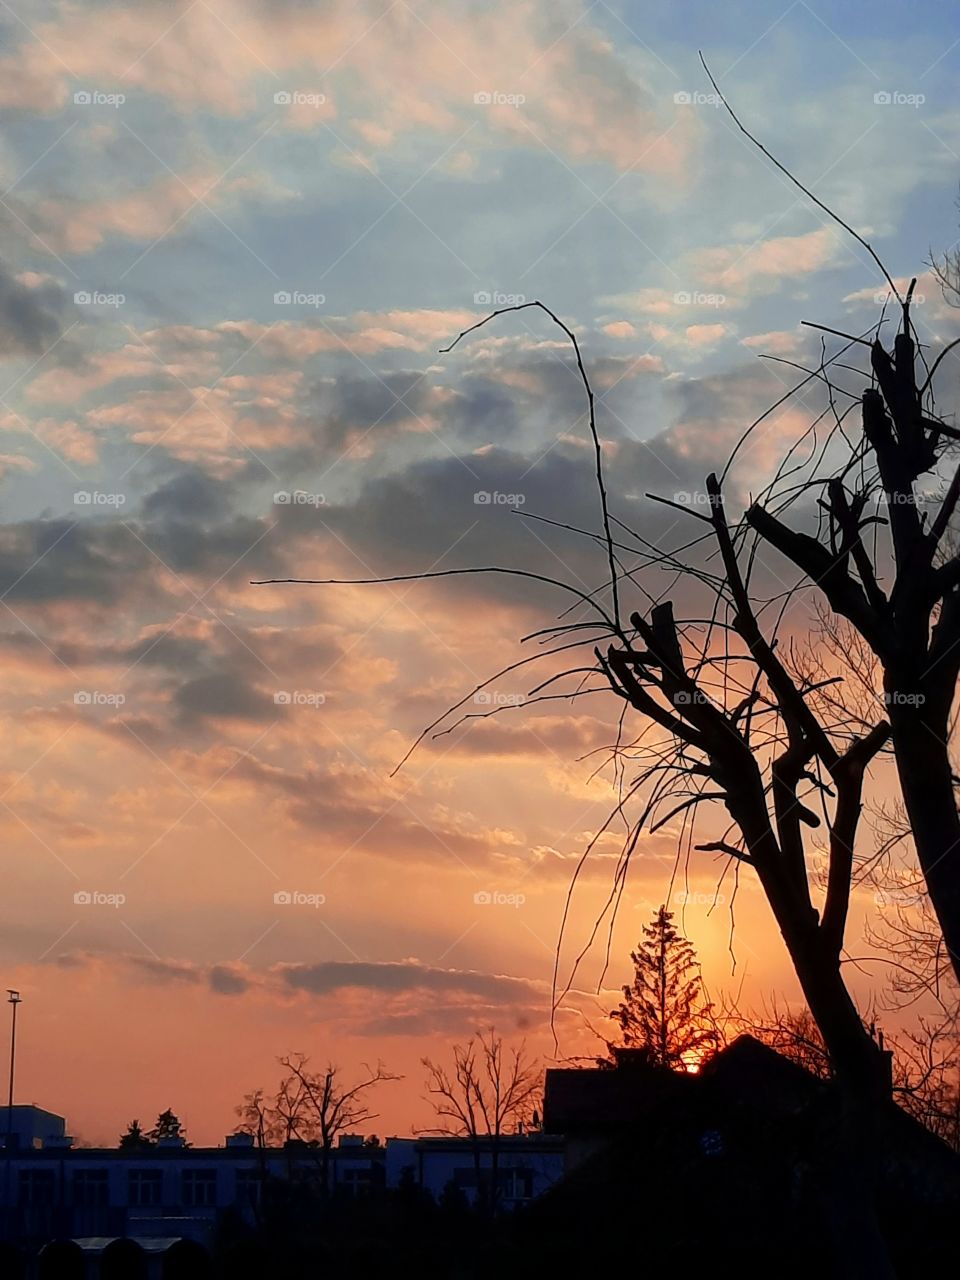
315	1107
488	1092
134	1136
257	1120
664	1010
925	1061
168	1126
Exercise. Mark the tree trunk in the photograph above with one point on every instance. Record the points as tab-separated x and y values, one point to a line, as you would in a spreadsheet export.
926	781
860	1066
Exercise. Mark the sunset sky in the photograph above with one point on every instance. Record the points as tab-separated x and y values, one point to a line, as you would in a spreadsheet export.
234	236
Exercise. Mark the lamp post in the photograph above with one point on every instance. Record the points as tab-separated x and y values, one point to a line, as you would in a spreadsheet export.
13	999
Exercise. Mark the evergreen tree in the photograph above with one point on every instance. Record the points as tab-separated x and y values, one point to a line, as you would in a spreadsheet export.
168	1126
664	1011
134	1136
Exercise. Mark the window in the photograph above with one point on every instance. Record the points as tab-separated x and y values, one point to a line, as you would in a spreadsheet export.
90	1188
711	1142
200	1188
516	1184
358	1180
249	1185
146	1187
37	1188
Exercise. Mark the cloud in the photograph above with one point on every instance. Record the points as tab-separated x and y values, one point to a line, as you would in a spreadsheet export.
223	695
779	342
32	311
363	998
535	736
392	978
705	335
760	266
578	96
619	329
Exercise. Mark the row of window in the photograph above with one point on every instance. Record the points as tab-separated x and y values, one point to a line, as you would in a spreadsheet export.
90	1187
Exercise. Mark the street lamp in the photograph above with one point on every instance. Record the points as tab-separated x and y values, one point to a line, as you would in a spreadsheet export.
13	999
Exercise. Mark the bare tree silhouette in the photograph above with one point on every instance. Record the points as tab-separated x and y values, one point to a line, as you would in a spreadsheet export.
490	1091
309	1106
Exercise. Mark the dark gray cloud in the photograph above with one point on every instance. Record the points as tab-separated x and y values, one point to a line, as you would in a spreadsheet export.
223	694
45	561
465	993
192	496
392	978
228	980
31	317
351	806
